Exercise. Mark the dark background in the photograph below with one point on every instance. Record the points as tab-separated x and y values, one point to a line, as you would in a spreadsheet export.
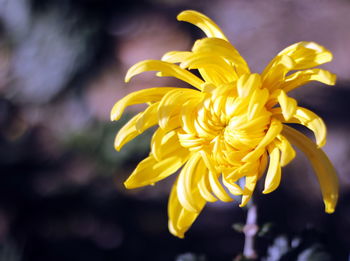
62	65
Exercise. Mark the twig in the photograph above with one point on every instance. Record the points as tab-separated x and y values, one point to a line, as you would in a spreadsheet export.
250	230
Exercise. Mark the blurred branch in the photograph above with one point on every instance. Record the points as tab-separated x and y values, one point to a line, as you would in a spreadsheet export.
250	230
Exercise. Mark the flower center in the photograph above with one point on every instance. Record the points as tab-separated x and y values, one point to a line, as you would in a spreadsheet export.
223	125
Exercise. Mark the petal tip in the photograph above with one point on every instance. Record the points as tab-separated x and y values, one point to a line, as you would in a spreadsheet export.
331	203
268	190
332	79
115	115
117	144
127	78
243	203
174	231
329	210
133	183
181	15
128	184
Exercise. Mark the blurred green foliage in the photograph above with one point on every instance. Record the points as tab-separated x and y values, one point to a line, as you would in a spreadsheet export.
96	143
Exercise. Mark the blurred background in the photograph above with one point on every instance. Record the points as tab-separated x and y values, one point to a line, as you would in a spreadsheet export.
62	65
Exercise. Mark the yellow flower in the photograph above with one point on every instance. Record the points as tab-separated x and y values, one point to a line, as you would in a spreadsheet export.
230	126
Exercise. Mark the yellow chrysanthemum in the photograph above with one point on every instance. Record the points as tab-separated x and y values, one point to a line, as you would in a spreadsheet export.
230	126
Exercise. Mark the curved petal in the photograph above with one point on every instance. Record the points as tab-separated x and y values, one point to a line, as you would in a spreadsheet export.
299	56
273	175
310	120
288	105
166	69
175	56
148	118
138	97
274	74
321	164
244	170
150	170
262	165
164	143
188	117
307	55
211	63
222	48
287	151
127	132
187	190
212	76
217	188
203	22
180	219
214	182
250	183
137	125
273	131
172	102
300	78
156	142
246	84
191	141
208	161
205	188
232	186
257	102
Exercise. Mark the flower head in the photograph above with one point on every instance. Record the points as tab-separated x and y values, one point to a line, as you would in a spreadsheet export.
230	126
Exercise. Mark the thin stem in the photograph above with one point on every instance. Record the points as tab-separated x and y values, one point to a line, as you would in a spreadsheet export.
250	230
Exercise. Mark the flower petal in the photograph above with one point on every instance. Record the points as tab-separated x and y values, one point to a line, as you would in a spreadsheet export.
287	151
314	123
273	175
250	183
300	78
211	63
166	69
222	48
310	120
188	117
246	84
321	164
175	56
262	165
150	170
232	186
299	56
307	55
164	143
133	128
187	191
138	97
215	185
274	74
127	132
288	105
172	102
180	219
148	118
244	170
205	189
273	131
212	76
203	22
217	188
257	102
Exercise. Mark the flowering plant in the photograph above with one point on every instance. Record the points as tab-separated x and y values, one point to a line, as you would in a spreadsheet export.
232	126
